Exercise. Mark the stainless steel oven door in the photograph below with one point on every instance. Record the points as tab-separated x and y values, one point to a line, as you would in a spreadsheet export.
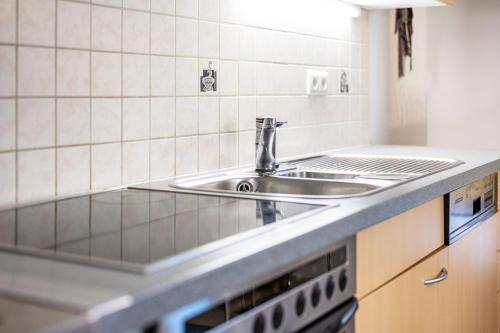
340	320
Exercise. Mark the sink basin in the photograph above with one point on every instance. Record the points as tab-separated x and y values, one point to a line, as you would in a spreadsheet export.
316	175
283	186
320	177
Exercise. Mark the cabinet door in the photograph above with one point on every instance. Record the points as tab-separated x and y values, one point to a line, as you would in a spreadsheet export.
406	304
472	280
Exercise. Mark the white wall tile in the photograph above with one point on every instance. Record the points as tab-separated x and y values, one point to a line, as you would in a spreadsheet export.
8	179
73	170
187	8
228	114
8	70
247	108
135	118
208	115
37	22
208	40
228	150
228	79
135	31
73	24
246	148
186	77
7	124
247	82
135	75
229	41
162	76
106	165
36	123
162	117
106	28
73	73
162	158
229	11
186	155
135	162
36	175
73	121
163	6
162	34
209	10
186	37
137	4
208	152
113	3
36	71
8	19
106	74
106	120
247	43
186	116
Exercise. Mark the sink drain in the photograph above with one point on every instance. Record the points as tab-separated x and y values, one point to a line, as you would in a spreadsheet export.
244	186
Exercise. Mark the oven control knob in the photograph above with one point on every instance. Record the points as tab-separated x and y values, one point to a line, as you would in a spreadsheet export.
343	280
300	304
315	295
330	287
277	316
259	324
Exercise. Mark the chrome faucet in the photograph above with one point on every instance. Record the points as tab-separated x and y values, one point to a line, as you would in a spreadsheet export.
265	143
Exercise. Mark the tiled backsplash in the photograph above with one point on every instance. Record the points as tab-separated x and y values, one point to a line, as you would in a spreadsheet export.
96	94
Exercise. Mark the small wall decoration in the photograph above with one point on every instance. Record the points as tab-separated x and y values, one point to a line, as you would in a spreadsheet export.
344	86
208	79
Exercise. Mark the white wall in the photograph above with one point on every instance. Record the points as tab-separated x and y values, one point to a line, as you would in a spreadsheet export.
452	96
463	96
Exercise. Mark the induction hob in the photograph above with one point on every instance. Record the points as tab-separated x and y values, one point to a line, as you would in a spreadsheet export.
136	230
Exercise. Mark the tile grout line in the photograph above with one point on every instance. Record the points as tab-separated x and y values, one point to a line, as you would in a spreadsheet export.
90	104
56	110
121	95
16	106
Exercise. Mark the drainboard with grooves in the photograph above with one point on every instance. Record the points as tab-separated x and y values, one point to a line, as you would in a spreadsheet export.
377	164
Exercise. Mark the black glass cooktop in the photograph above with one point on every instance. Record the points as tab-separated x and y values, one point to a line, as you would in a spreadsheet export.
134	230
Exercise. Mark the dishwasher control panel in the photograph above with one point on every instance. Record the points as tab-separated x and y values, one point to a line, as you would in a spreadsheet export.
468	206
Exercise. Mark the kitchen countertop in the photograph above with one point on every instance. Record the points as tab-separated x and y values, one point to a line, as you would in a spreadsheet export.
103	299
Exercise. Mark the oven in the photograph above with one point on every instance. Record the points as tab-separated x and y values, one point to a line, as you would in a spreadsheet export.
316	296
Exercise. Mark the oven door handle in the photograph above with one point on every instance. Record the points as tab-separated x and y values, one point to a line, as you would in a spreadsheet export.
334	321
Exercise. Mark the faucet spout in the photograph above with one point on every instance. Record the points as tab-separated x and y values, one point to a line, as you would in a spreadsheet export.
265	143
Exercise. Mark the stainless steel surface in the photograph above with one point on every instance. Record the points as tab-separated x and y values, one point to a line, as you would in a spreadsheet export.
321	177
283	186
377	165
265	143
468	206
443	275
240	312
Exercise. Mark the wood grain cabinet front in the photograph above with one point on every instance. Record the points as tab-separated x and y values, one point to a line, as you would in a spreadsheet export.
459	296
407	304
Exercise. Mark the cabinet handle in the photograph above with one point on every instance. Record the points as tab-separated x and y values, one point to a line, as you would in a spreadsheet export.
443	275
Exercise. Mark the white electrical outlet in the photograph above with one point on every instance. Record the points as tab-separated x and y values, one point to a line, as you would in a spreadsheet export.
317	82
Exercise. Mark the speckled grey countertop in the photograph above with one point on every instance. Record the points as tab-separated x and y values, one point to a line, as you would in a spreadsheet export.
108	300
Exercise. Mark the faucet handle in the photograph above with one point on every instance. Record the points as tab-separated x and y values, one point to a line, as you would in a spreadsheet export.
269	122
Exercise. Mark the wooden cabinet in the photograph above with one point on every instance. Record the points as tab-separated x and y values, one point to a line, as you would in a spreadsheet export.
406	304
472	281
465	302
388	248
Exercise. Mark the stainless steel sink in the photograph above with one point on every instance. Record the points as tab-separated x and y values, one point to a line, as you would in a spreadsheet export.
320	177
275	184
